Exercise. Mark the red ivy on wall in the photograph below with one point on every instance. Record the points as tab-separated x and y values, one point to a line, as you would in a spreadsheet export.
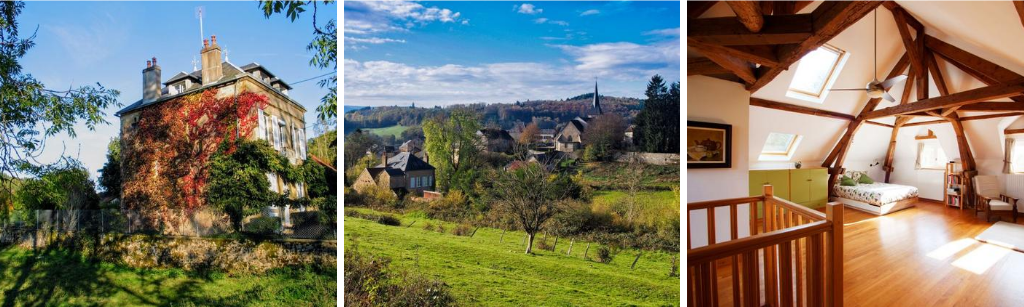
167	153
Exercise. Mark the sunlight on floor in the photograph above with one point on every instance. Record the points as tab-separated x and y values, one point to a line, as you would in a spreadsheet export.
980	259
950	249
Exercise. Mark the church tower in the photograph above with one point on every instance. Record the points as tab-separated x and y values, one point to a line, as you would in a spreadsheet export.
597	101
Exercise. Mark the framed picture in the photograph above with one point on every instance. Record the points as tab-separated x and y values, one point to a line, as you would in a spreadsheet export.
708	145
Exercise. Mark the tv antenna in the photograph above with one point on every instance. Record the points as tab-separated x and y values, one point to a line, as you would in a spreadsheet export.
194	63
199	15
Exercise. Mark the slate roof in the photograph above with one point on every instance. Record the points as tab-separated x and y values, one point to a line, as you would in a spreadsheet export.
407	162
230	73
495	134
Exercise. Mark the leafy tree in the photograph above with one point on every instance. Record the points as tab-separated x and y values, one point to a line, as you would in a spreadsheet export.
412	133
325	146
602	135
529	196
657	124
30	112
530	134
238	179
357	144
452	147
110	174
366	161
324	44
65	185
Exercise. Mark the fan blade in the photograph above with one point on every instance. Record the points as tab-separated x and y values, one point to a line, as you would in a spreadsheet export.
847	89
892	81
888	97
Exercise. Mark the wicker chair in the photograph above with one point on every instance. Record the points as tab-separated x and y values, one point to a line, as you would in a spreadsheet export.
990	198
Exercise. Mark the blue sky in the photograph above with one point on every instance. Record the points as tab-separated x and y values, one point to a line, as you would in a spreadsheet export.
80	43
440	53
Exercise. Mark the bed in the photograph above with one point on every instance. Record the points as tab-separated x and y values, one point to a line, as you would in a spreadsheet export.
876	198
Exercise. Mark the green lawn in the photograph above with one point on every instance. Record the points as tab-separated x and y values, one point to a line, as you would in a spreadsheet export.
395	130
59	278
483	271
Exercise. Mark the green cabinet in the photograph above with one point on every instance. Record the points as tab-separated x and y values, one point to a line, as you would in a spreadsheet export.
808	187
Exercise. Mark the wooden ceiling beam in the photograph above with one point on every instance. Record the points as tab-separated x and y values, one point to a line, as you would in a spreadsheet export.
828	20
966	118
908	87
738	67
958	99
703	66
994	106
966	157
726	31
696	8
913	22
979	68
765	103
759	54
891	151
748	13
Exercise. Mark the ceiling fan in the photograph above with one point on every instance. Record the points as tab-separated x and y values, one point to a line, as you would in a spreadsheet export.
877	89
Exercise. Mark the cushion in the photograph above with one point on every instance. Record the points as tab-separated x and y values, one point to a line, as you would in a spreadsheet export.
847	181
998	205
987	186
865	179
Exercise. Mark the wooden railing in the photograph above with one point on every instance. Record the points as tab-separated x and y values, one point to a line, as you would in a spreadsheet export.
793	256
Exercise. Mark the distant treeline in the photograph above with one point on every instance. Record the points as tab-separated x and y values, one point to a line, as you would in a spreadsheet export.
503	115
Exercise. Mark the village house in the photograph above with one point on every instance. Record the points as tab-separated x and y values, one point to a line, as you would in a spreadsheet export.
281	123
403	173
495	140
570	138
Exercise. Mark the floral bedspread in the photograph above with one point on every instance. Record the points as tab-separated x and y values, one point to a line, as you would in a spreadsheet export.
876	193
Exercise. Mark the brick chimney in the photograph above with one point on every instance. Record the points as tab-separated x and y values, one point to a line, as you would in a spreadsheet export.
384	157
151	81
211	61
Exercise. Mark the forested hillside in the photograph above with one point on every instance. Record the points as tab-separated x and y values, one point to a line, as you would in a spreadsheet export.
504	115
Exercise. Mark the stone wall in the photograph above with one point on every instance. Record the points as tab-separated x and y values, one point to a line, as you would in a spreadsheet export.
650	158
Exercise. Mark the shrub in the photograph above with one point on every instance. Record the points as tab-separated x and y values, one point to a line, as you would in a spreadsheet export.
462	230
428	226
604	254
378	197
329	206
543	245
389	220
440	228
370	282
263	226
453	207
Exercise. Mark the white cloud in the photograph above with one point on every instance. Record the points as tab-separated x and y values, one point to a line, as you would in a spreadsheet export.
559	22
670	32
590	12
543	20
92	43
373	40
390	83
528	9
540	20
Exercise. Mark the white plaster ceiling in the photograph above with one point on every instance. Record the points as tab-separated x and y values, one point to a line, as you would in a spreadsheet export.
991	30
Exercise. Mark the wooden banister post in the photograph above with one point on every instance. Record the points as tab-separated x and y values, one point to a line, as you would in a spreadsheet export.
769	252
834	214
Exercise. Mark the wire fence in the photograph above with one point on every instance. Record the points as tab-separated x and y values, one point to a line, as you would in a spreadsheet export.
295	223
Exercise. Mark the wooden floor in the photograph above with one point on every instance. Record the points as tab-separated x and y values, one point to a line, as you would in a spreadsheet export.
927	256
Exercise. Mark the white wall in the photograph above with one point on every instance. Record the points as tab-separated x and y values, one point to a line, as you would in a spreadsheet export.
717	101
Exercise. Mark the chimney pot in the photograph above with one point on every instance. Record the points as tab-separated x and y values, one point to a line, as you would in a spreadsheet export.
384	156
213	39
206	43
154	61
149	64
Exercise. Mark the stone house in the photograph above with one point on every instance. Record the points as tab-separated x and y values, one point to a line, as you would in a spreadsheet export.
570	138
495	140
281	123
402	173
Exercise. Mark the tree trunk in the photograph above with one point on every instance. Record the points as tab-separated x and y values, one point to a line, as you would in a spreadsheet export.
502	239
571	242
529	245
524	239
635	260
586	251
554	244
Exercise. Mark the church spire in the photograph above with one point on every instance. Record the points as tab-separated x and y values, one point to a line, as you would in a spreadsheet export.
597	100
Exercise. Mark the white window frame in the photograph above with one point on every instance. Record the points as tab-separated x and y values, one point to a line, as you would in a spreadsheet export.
781	156
261	131
272	178
830	80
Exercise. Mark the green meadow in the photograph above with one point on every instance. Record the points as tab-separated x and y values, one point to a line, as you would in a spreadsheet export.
490	270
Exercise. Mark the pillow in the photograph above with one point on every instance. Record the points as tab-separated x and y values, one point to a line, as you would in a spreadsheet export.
855	175
847	181
865	179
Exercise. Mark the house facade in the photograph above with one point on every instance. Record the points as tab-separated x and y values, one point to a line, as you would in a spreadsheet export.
281	122
402	173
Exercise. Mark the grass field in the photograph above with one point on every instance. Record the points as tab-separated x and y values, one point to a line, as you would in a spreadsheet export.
58	278
483	270
395	130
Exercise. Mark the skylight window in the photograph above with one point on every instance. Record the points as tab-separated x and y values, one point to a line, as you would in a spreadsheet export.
930	155
816	73
779	146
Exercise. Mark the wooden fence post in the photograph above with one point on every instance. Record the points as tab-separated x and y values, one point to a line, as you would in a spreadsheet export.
834	214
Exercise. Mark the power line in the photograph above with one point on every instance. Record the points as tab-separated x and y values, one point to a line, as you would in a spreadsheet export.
314	78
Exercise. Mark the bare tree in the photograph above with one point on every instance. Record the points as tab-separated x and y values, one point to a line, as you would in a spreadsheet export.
632	177
528	197
530	134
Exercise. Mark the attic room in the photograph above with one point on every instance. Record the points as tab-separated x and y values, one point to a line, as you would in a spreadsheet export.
855	153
